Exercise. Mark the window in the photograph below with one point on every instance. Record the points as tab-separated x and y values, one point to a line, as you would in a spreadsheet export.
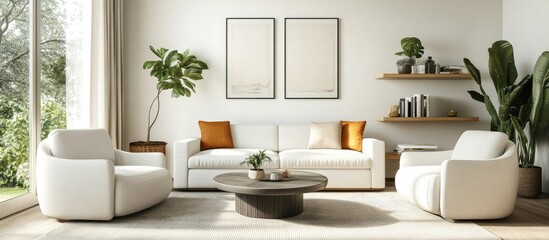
63	41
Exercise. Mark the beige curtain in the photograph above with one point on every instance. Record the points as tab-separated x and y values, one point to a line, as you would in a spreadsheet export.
106	69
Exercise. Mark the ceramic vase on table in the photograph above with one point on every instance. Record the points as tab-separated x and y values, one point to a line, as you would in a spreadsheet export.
256	174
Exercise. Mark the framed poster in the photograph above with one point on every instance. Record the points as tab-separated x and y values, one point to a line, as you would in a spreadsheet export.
311	58
250	58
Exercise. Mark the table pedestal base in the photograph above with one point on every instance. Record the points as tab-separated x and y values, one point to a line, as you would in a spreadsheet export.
269	206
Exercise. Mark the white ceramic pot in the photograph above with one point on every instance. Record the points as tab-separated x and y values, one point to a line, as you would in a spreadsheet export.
256	174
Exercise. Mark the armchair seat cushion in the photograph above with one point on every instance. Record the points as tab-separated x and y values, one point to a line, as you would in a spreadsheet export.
324	159
140	187
224	158
420	185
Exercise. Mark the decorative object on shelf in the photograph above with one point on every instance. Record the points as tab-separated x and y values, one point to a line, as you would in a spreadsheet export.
452	113
394	111
173	71
437	68
250	42
417	105
453	69
311	58
430	65
255	161
525	103
412	49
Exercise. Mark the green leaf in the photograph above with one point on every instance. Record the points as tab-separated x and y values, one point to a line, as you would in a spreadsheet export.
539	117
155	51
194	76
475	73
476	96
149	64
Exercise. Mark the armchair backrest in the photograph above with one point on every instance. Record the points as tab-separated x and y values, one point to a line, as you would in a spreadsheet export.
81	144
480	145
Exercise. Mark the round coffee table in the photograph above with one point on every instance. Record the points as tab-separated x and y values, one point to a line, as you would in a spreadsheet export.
270	199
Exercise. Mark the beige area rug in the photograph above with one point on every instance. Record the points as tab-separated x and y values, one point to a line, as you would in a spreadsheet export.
327	215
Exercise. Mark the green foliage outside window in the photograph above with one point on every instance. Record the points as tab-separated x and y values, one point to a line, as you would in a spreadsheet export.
14	144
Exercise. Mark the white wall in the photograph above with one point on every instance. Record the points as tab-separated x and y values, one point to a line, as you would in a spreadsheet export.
525	25
370	33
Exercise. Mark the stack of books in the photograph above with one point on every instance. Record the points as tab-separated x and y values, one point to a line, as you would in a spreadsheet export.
414	147
417	105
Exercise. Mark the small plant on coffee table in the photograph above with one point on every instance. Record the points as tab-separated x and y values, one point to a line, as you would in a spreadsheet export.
255	161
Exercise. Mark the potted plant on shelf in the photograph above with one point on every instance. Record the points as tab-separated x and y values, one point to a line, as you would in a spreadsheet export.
412	49
255	161
520	104
174	71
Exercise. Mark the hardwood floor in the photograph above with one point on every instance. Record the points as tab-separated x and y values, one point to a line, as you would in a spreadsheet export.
529	220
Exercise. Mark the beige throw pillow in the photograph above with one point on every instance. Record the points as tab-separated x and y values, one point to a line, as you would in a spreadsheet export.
325	135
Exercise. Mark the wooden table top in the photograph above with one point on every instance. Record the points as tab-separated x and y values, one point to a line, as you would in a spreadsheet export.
298	182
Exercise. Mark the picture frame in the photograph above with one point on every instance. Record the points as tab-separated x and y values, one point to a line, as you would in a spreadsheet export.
250	58
311	58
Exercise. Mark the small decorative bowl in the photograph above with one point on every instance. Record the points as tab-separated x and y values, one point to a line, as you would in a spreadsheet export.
452	113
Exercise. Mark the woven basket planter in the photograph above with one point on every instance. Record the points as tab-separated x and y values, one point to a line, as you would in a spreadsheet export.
152	146
529	182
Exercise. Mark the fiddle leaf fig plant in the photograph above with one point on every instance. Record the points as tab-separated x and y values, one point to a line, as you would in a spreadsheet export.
174	71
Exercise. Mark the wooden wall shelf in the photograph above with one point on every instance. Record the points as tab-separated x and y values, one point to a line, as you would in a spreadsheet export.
428	119
420	76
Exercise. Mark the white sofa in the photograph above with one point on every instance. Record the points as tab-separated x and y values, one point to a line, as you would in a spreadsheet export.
476	180
81	177
287	146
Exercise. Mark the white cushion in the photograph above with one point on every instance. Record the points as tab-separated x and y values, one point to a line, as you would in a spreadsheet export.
421	186
293	137
480	145
255	136
324	159
325	135
81	144
139	187
229	158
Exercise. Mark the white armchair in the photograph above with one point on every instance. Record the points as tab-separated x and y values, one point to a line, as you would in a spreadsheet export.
476	180
81	176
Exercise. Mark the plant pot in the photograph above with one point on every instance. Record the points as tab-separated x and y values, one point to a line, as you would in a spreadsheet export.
256	174
404	68
529	182
152	146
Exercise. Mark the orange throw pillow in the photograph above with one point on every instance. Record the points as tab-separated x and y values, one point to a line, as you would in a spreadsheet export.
352	134
215	135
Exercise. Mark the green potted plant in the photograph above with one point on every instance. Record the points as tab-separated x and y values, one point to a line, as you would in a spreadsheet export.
521	104
255	161
173	71
538	120
412	49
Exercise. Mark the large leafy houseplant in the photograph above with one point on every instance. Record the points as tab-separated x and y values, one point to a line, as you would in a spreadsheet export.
513	97
538	119
173	71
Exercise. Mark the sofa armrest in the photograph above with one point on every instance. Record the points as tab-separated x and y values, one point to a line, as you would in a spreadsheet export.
375	149
154	159
408	159
479	189
65	185
182	150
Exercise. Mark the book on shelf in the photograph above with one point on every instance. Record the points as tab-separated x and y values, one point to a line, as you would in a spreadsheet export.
414	147
418	105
